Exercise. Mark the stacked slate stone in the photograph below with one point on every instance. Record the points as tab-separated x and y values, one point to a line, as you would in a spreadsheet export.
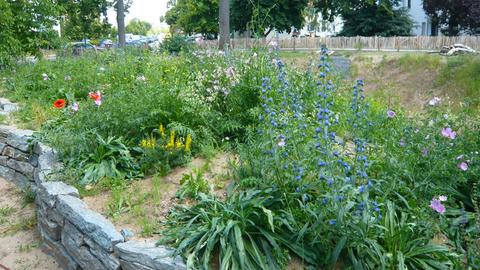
76	236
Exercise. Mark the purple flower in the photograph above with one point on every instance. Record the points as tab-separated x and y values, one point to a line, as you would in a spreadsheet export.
437	205
463	166
442	198
75	107
391	114
424	152
449	133
281	143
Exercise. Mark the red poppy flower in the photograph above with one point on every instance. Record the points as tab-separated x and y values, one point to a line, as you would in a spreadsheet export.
95	96
59	103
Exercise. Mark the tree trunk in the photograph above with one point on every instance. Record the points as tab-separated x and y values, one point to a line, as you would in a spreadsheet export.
121	23
224	15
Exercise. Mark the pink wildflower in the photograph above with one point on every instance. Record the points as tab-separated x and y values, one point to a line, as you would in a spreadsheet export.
437	205
230	72
463	166
449	133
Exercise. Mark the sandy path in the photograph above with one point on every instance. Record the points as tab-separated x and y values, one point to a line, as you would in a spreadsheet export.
19	241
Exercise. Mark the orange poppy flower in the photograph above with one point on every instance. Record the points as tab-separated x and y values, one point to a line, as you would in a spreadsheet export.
59	103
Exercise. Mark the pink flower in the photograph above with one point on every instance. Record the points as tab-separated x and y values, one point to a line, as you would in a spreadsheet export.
391	114
463	166
437	205
449	133
442	198
230	72
199	40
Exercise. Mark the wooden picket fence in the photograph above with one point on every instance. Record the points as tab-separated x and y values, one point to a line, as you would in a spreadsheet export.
426	43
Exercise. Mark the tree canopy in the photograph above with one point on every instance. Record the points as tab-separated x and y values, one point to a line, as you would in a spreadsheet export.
84	19
262	16
453	16
194	16
374	18
138	27
361	17
25	26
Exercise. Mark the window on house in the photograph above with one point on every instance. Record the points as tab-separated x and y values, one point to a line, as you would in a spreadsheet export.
409	3
424	28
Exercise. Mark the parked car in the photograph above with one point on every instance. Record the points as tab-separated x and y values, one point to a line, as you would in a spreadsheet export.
79	48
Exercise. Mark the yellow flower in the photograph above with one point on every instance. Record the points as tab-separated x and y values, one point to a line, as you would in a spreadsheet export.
178	144
162	131
171	140
148	142
188	143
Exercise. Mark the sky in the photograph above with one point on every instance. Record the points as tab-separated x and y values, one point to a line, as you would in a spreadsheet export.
145	10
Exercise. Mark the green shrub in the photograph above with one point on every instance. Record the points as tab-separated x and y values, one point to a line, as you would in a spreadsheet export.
176	44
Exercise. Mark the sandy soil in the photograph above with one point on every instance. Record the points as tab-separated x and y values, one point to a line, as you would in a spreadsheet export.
19	241
142	207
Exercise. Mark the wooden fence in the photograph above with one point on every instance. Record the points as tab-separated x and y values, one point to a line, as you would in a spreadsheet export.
426	43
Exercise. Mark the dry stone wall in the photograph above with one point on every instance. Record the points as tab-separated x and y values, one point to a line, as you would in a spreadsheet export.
76	236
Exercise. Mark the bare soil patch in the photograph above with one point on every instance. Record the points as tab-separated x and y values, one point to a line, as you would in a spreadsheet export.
19	239
142	205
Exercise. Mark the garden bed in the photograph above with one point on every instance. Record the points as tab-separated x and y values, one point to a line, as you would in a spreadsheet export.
325	176
142	205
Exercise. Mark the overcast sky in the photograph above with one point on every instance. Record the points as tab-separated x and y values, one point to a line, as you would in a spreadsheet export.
145	10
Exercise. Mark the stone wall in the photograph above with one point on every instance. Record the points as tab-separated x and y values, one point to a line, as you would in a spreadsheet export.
76	236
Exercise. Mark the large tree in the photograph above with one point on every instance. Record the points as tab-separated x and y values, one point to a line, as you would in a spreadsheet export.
194	16
25	27
373	18
263	16
138	27
84	18
454	16
224	23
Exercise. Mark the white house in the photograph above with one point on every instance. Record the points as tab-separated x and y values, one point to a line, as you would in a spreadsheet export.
422	23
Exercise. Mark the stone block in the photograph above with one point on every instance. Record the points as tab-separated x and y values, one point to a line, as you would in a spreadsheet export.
52	229
90	223
55	249
15	154
3	160
21	166
89	250
7	173
135	253
81	254
49	191
133	266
